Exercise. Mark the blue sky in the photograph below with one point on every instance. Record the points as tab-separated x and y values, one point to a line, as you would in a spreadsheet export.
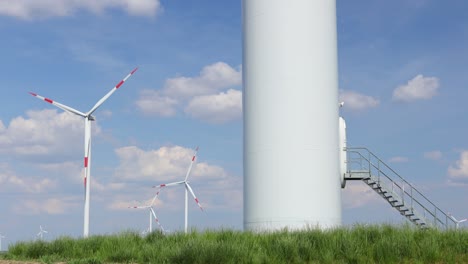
402	75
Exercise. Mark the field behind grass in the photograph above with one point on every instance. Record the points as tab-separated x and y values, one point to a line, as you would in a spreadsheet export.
359	244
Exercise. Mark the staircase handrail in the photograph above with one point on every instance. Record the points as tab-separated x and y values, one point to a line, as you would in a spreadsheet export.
368	160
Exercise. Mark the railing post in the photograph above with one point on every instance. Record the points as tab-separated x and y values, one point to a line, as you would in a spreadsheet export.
369	160
411	193
378	172
403	193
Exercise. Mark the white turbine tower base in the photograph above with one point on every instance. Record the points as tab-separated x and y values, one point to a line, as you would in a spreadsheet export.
88	117
187	190
290	96
152	214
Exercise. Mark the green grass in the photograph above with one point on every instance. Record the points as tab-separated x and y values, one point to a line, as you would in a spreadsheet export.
359	244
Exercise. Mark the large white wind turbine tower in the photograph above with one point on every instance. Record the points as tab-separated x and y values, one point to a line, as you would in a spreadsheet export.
290	82
152	213
187	189
88	117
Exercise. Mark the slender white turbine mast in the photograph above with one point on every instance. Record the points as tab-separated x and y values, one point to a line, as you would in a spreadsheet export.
1	237
88	117
152	214
187	189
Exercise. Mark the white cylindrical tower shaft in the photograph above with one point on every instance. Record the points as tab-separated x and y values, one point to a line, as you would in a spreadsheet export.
290	80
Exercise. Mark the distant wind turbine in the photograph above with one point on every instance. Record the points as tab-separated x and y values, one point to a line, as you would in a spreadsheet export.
457	222
41	232
1	237
187	189
151	214
88	117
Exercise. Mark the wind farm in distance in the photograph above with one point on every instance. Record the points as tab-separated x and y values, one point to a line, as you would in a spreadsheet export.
329	131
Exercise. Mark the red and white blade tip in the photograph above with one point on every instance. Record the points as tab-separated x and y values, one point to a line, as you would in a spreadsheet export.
199	205
50	101
195	155
128	76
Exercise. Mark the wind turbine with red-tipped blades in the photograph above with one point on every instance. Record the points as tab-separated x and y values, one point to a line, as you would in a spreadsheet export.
88	117
151	214
187	189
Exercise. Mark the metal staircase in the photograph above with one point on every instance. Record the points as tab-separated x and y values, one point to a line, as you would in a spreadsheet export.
363	165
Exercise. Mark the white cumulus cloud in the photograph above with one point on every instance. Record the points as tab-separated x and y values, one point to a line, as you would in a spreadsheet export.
215	188
418	88
358	194
208	96
356	101
459	170
152	103
44	133
218	108
212	78
52	206
163	164
11	181
33	9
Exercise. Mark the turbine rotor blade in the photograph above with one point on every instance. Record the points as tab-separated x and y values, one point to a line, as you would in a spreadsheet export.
156	219
154	198
104	98
191	164
168	184
193	194
138	207
59	105
453	217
